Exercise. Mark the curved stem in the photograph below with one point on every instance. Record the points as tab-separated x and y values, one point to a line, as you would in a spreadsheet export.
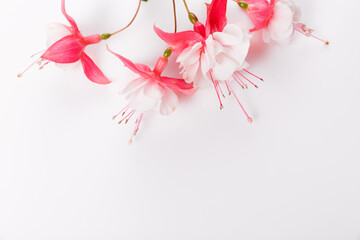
174	5
186	6
132	20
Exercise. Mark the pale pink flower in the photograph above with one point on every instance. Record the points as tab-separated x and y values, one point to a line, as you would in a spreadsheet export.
278	19
150	91
213	54
66	45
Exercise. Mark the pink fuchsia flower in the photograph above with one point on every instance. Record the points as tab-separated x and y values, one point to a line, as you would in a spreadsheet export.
213	54
278	19
66	45
151	91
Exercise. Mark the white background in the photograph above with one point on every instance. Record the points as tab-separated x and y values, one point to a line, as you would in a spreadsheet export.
67	172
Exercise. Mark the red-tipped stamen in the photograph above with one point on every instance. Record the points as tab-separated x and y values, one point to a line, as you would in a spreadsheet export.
37	53
126	116
239	73
122	111
253	74
216	89
228	89
220	90
42	66
136	129
37	61
301	28
239	81
248	117
128	119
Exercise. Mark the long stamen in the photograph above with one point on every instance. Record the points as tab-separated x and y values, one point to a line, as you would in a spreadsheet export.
247	80
42	66
37	53
301	28
216	89
132	20
127	120
122	111
248	117
37	61
219	87
126	116
136	129
239	81
253	74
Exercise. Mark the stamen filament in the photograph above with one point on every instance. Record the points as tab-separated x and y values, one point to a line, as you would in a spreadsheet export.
37	61
247	80
127	120
124	109
253	74
126	116
241	83
216	89
136	129
248	117
301	28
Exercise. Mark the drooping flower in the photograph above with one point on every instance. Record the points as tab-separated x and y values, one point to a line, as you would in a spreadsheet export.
278	19
66	45
212	54
151	91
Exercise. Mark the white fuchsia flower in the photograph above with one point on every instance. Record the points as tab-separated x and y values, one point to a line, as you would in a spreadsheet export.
214	53
278	20
151	91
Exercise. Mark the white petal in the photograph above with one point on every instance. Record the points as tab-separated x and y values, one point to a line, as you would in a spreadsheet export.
169	102
281	25
153	90
133	85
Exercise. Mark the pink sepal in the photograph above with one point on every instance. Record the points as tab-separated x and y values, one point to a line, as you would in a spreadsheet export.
66	50
216	16
181	40
92	71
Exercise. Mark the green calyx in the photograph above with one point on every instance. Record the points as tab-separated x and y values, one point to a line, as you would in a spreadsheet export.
105	36
243	5
193	18
167	53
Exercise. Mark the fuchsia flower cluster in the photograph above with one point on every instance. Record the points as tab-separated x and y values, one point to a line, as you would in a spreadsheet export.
212	54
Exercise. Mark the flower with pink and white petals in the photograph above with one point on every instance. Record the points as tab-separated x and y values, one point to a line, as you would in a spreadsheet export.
66	45
213	54
277	19
151	91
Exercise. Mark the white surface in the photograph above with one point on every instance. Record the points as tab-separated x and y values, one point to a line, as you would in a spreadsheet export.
66	171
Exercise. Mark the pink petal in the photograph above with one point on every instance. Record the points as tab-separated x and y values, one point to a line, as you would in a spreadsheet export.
92	71
66	50
216	16
136	68
178	85
69	18
181	40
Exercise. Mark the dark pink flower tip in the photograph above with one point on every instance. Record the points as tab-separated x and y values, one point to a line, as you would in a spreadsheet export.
181	40
92	71
216	16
